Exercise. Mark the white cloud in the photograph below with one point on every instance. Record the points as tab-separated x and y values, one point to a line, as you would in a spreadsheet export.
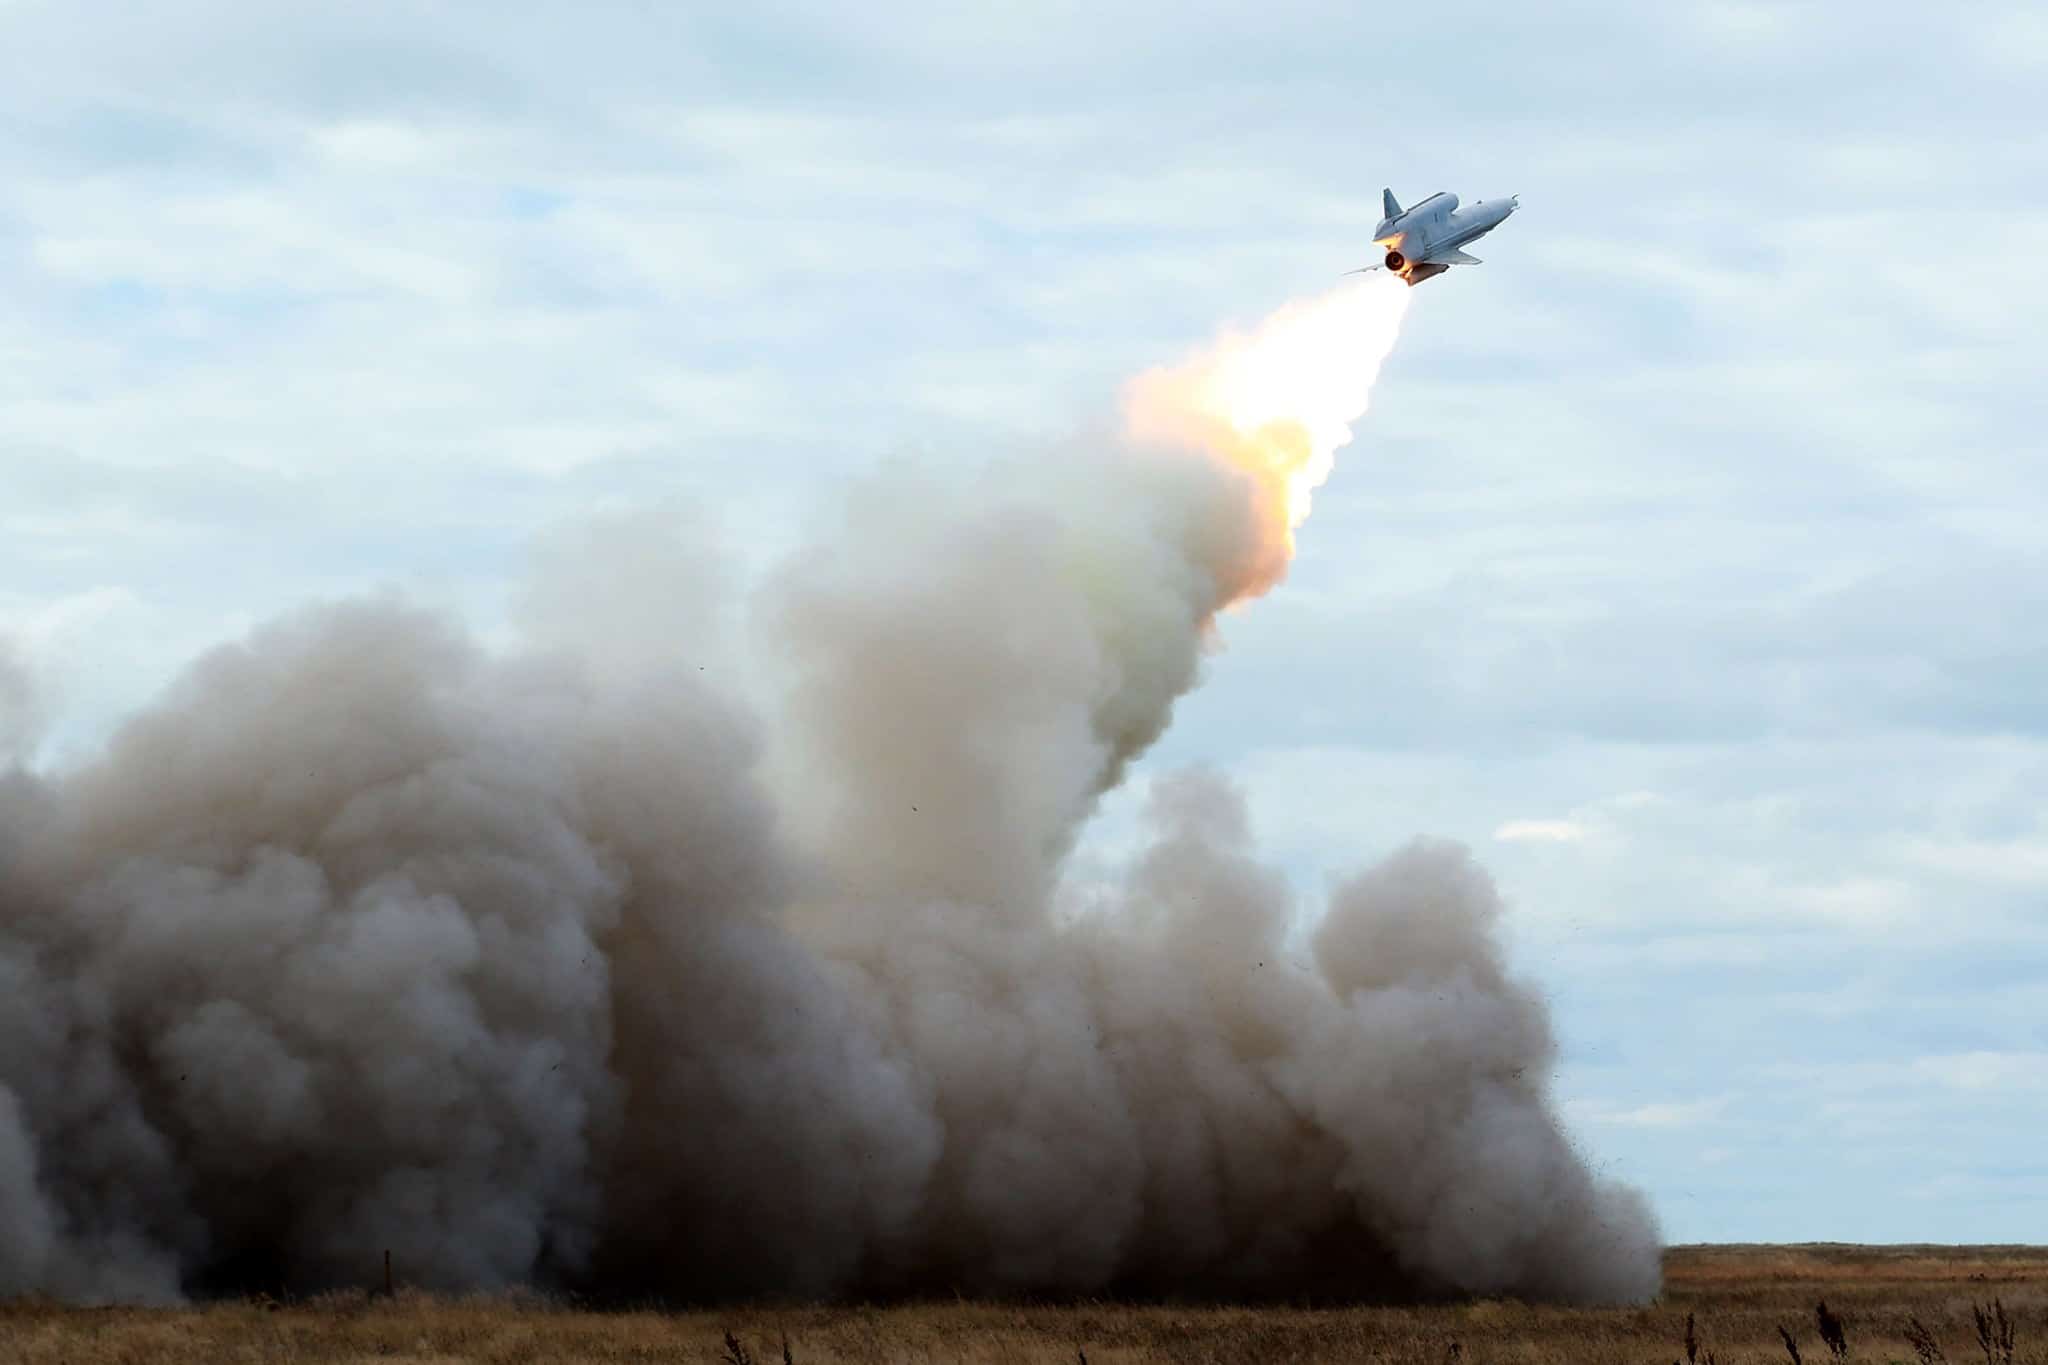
1742	22
1985	1071
1860	899
2014	40
1660	1114
1541	832
378	143
19	716
2021	861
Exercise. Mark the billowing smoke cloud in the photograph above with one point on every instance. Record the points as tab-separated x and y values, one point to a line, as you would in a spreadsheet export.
615	962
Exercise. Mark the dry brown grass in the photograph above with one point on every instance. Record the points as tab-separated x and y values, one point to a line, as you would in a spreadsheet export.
1738	1299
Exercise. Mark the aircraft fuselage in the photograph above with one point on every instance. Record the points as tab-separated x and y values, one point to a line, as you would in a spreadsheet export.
1425	240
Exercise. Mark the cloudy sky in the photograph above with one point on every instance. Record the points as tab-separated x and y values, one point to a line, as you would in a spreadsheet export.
1691	565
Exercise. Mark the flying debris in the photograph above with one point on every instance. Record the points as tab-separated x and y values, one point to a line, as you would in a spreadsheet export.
1425	240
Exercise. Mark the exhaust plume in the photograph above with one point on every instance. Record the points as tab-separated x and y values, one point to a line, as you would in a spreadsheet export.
597	965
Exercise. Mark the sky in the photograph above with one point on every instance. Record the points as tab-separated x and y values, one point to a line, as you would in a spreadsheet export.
1689	565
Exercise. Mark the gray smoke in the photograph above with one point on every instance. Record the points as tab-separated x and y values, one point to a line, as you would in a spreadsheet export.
722	940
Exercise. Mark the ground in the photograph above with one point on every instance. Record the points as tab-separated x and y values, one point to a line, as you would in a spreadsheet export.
1738	1298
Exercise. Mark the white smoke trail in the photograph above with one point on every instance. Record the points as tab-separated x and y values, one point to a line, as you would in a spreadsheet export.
563	966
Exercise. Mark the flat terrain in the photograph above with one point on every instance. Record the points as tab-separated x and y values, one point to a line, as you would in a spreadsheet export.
1738	1296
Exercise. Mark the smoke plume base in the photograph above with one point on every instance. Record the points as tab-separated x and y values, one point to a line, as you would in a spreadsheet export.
576	965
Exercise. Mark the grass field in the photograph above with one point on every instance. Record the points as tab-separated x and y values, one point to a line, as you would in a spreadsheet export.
1737	1297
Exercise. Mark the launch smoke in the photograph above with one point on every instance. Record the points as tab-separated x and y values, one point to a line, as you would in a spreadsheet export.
610	962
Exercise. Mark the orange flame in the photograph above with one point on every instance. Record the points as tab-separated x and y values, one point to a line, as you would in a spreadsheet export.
1278	401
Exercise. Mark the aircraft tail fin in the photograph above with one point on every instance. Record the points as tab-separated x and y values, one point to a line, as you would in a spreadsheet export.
1392	205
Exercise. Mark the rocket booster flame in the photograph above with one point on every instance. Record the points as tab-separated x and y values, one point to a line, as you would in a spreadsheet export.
1278	401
